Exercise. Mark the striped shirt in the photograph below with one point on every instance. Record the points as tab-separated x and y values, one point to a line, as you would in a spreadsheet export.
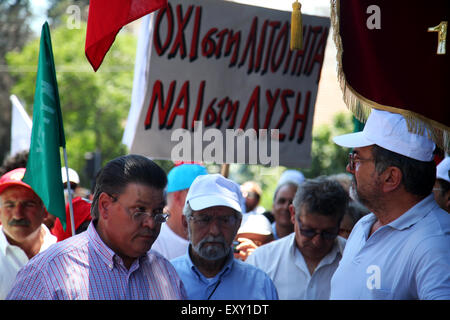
83	267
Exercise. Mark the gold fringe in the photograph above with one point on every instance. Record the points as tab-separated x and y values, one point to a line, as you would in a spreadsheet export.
361	107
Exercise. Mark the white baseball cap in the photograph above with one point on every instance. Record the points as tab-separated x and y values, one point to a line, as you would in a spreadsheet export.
443	170
73	175
389	131
256	223
212	190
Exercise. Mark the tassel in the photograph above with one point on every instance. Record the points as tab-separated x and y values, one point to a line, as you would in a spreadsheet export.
296	27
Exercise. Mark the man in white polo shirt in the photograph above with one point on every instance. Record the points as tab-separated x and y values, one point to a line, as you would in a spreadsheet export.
301	264
401	250
22	232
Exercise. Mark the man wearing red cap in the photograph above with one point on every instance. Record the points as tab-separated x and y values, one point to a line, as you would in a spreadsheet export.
22	234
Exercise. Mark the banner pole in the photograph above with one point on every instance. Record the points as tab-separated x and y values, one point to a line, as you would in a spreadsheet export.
225	169
69	189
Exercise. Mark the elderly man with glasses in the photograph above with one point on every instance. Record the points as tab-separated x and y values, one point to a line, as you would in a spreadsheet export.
212	216
111	260
301	264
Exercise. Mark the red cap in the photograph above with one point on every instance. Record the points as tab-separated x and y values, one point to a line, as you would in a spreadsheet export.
13	177
81	213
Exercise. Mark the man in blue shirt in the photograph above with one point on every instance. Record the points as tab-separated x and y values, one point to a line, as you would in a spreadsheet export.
212	215
402	249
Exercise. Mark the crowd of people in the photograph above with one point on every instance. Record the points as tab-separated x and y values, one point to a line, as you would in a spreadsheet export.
379	231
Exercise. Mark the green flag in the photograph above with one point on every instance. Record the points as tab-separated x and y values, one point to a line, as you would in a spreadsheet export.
43	172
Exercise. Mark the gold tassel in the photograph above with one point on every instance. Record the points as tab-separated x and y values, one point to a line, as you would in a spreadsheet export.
296	27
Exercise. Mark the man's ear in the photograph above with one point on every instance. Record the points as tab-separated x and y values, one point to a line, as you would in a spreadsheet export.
104	202
292	212
391	178
184	222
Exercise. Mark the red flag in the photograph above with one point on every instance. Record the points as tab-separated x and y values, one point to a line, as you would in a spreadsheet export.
106	18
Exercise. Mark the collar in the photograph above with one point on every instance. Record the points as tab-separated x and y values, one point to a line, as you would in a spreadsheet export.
225	270
101	249
414	214
337	249
3	241
49	239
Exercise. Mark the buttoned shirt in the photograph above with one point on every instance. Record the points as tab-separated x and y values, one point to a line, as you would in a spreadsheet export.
236	281
286	266
12	258
408	258
84	267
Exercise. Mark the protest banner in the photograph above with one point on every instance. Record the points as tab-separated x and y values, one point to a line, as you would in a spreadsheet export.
222	86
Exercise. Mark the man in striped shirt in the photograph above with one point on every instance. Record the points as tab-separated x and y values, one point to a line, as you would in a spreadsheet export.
112	259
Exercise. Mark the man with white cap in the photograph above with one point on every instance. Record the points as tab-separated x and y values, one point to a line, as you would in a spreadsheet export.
253	233
173	241
441	187
212	215
401	250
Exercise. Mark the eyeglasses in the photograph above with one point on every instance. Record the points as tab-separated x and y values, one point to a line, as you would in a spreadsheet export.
139	216
352	160
311	233
205	220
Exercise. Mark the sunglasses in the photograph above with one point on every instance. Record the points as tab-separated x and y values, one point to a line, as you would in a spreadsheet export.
311	233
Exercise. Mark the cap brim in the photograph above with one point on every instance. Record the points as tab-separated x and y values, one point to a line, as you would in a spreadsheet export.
353	140
203	202
14	183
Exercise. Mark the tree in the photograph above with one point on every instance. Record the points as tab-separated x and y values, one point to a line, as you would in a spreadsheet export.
327	158
94	104
14	31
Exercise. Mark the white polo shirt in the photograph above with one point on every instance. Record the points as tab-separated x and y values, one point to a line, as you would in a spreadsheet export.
285	265
408	258
12	258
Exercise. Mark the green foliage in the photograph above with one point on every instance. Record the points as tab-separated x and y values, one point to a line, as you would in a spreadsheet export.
327	158
94	105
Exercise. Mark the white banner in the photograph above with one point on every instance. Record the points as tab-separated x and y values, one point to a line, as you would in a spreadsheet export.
20	127
220	76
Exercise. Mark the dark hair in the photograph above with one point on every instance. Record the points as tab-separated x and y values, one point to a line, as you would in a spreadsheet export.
18	160
417	176
445	186
323	196
118	173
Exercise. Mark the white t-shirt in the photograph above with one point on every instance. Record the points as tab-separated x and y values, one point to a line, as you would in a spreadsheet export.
169	244
285	265
12	258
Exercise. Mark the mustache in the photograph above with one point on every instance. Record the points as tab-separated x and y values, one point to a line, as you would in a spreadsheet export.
219	239
19	223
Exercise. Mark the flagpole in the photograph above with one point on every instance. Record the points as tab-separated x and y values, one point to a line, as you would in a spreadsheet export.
69	189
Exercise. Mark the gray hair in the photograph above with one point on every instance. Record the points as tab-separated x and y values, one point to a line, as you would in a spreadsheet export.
288	183
322	196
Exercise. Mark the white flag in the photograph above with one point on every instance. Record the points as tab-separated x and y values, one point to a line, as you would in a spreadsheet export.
20	127
140	79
